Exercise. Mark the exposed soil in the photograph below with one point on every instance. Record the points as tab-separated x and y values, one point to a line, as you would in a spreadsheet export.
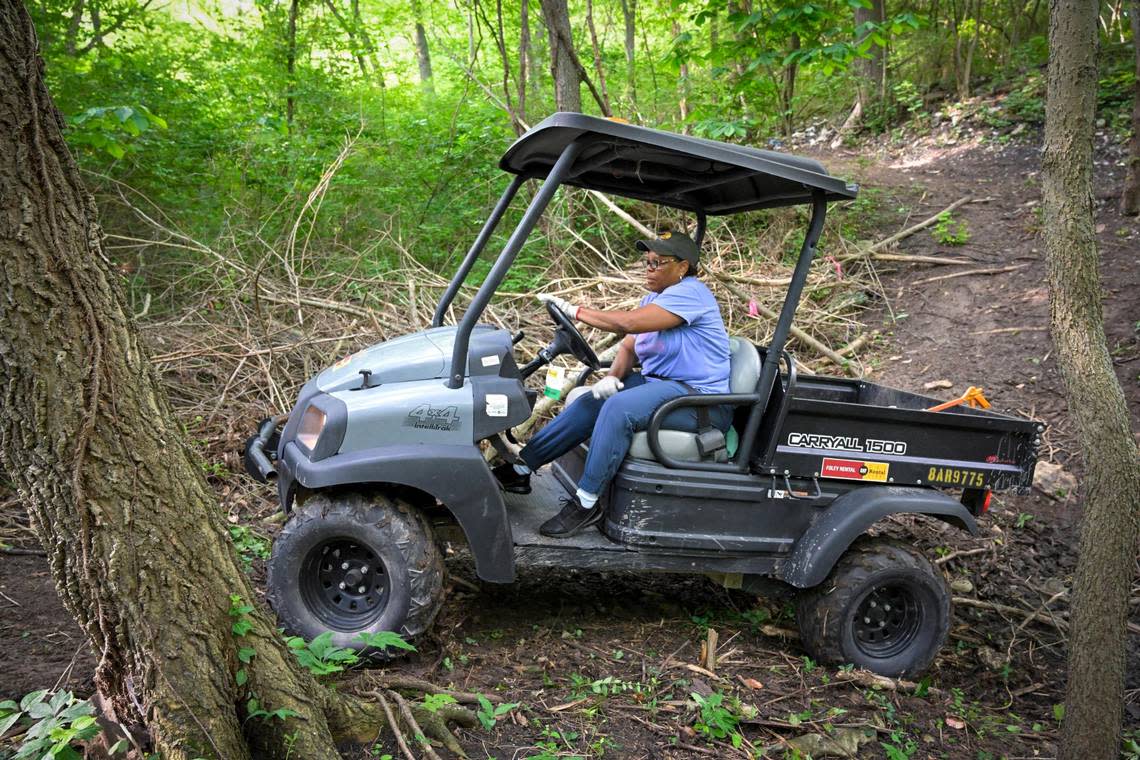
604	664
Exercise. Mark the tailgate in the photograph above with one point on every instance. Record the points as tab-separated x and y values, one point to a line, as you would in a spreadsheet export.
883	435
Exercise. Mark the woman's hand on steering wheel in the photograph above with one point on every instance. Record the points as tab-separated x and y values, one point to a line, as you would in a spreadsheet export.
563	313
561	304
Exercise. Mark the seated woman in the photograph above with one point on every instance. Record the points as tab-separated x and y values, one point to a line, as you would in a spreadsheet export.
678	336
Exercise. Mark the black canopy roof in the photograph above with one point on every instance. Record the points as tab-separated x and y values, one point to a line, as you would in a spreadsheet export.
689	173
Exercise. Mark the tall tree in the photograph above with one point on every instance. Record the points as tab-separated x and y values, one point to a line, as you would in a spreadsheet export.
598	68
134	538
870	66
567	78
423	55
291	60
1130	200
1110	526
629	16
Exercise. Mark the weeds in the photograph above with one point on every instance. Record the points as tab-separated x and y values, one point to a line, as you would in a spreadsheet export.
52	723
948	231
489	714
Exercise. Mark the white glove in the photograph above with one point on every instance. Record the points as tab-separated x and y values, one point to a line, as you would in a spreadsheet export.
562	304
606	387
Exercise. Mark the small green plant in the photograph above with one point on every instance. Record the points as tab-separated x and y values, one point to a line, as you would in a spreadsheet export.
249	545
53	721
433	702
254	710
1023	519
949	231
489	714
899	747
320	656
716	721
385	640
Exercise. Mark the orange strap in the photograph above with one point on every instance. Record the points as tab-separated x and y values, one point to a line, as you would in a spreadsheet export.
973	396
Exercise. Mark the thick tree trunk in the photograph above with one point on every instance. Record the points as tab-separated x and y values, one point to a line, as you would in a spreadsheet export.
423	55
1130	199
567	80
134	538
870	69
1110	526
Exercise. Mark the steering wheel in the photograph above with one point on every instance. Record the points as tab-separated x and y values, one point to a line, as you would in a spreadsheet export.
567	335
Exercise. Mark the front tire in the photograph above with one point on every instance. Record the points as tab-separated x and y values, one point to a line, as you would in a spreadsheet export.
884	607
354	563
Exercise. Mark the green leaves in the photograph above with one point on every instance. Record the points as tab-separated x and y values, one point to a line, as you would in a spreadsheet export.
320	656
384	640
54	722
112	129
489	714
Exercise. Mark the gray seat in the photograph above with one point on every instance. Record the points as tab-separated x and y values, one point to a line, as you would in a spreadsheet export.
744	372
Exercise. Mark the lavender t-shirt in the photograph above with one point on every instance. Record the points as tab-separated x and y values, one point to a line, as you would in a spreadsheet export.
695	351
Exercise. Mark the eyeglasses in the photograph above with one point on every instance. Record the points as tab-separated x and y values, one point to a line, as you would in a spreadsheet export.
654	264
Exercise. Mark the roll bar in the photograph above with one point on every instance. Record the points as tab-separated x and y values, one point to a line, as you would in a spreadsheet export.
506	258
476	249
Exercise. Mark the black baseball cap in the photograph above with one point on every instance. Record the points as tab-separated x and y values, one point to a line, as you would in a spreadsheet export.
676	244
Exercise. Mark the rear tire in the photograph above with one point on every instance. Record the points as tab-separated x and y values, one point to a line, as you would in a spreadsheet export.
884	607
354	563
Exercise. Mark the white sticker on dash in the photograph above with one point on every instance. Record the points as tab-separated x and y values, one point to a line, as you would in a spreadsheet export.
490	361
496	405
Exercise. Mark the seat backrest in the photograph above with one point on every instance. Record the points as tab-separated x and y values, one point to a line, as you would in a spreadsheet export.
744	365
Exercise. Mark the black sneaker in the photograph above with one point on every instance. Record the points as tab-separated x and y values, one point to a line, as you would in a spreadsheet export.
510	480
572	519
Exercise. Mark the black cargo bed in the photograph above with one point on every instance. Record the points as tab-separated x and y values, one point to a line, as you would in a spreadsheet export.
862	431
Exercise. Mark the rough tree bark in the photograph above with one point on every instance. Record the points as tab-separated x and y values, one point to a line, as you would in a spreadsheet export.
423	55
1110	526
567	79
134	538
1130	199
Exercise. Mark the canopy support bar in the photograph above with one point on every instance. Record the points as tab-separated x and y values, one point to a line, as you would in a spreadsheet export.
783	326
476	249
506	258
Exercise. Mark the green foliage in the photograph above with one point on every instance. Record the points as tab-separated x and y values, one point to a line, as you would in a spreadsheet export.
384	640
949	231
489	714
53	723
715	719
254	710
433	702
249	545
112	129
320	656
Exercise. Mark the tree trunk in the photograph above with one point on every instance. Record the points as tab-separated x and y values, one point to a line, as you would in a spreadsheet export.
134	538
567	80
629	14
1130	200
291	61
682	85
597	56
524	55
1110	526
423	55
870	69
789	91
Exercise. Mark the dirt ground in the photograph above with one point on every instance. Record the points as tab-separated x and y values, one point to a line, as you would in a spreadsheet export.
604	664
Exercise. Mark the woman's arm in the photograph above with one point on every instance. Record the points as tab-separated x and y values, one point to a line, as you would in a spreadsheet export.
648	318
625	359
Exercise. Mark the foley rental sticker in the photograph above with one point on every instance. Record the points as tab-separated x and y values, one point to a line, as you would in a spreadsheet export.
850	469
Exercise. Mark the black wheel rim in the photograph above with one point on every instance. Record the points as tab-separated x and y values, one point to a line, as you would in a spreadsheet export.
345	584
887	621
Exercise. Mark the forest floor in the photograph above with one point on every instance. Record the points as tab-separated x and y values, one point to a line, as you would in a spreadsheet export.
604	664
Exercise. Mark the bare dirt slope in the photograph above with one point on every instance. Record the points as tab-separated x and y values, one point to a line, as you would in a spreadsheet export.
605	664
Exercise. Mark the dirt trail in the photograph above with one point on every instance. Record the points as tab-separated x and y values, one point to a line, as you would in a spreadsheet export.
602	664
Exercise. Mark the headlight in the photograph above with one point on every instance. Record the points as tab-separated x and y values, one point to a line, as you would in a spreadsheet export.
312	425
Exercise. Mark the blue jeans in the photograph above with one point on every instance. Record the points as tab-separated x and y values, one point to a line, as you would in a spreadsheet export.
610	426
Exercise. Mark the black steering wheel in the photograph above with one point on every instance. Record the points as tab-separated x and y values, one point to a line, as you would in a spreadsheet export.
570	339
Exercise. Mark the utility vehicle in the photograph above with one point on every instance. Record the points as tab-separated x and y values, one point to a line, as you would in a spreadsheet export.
380	458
